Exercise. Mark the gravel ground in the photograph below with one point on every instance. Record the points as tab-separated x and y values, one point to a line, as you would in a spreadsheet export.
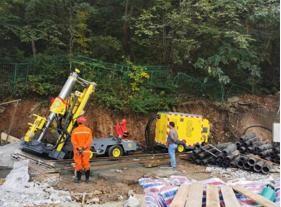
234	173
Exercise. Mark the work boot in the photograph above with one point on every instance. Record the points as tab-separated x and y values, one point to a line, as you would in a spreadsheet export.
87	175
78	177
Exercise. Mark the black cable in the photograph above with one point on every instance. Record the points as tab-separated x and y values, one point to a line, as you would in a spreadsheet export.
253	126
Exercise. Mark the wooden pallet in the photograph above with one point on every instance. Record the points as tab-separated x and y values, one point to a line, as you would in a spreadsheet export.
192	196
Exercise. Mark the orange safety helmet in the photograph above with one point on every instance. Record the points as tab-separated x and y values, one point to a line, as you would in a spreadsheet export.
81	120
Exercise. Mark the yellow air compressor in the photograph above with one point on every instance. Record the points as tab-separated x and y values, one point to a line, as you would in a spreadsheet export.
191	128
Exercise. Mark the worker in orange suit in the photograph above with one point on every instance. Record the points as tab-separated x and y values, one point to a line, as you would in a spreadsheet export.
81	139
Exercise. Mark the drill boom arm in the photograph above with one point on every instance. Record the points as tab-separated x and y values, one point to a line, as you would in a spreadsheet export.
67	106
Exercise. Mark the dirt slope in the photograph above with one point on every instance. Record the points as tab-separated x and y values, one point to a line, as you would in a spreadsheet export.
231	118
228	119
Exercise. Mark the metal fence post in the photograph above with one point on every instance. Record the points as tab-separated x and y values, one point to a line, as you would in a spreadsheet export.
14	78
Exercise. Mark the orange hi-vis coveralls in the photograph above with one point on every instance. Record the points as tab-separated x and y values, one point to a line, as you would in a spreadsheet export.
81	138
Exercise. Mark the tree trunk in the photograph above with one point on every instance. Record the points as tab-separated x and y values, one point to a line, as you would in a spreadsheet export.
126	35
33	48
164	52
71	36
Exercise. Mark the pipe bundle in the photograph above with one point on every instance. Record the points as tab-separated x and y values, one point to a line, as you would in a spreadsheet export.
250	143
221	155
253	163
229	154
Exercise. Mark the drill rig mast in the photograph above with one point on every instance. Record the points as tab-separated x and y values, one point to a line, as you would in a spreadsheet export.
64	111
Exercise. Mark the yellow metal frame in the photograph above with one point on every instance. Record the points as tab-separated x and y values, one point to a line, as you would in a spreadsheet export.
78	110
33	127
58	106
75	103
191	128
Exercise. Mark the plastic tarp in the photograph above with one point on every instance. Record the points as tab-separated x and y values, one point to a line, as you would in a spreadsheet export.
160	192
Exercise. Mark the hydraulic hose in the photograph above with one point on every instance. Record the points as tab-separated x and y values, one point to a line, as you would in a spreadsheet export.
253	126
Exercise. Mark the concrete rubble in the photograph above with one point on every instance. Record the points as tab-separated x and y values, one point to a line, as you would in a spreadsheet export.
133	201
5	154
18	191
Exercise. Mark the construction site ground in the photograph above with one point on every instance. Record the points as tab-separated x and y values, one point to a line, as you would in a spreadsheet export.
113	180
109	186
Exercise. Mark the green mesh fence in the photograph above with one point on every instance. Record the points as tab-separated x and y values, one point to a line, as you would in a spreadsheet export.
160	76
15	77
200	86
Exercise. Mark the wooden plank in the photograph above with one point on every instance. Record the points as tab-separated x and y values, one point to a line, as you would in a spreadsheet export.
229	197
255	197
181	196
10	139
155	163
213	197
195	195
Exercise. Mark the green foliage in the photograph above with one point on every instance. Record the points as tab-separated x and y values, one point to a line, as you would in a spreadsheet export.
137	76
127	89
147	100
38	85
227	46
217	37
48	75
111	100
80	14
105	47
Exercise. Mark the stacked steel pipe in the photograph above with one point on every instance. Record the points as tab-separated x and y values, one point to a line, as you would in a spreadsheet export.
253	163
250	143
221	155
275	156
204	154
228	154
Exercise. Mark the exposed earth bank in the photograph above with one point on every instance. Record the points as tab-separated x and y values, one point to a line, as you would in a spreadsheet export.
228	119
